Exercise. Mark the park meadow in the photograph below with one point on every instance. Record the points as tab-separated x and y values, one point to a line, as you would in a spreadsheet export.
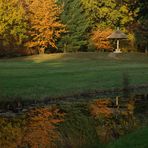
73	74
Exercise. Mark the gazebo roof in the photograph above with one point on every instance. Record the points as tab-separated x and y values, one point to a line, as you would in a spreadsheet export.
117	35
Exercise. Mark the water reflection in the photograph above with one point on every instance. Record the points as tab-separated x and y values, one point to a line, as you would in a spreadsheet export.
35	130
10	133
74	124
113	119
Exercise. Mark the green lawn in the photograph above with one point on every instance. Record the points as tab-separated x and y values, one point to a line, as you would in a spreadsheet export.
63	74
138	139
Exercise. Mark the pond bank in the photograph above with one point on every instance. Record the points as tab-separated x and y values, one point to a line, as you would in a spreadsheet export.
21	104
12	108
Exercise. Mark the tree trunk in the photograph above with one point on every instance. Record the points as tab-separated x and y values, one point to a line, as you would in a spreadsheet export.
41	50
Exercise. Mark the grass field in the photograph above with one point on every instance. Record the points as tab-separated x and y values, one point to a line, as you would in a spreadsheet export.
41	76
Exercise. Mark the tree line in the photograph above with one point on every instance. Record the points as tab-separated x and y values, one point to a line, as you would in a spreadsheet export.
39	26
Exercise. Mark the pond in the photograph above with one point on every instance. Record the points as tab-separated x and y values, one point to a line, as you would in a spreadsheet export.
81	123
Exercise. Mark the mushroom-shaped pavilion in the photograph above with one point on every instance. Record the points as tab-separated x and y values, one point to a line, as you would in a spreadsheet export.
118	35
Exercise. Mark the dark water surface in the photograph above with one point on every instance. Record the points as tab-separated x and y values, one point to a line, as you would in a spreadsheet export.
72	124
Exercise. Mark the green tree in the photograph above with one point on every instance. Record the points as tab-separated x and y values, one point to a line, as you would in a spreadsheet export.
141	29
77	26
100	12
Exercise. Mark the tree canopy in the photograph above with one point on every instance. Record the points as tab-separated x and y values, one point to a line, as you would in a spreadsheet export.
45	24
68	26
13	24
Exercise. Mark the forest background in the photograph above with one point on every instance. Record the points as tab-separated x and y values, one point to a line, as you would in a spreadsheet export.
48	26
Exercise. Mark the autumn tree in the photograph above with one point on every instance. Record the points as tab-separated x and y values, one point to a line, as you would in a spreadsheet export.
99	38
44	23
113	14
13	25
102	12
82	17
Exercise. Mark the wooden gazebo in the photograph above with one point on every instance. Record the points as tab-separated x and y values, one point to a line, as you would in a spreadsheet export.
118	35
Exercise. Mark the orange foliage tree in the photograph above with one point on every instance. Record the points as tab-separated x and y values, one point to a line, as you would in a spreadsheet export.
45	26
99	38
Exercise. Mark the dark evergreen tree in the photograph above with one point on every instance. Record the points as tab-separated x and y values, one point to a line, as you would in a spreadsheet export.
141	29
75	39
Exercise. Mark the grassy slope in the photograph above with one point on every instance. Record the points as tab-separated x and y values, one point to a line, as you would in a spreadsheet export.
137	139
60	74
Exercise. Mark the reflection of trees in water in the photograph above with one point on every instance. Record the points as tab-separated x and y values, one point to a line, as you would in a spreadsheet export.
40	131
37	130
113	121
10	132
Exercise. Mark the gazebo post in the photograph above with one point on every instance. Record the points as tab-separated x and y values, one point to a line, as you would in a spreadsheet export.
118	42
118	49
